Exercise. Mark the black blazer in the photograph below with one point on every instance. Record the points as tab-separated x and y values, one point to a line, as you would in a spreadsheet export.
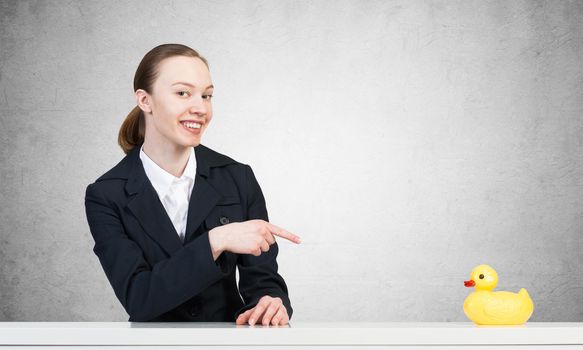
154	275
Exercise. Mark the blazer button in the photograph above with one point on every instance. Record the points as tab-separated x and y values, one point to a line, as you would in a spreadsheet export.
224	220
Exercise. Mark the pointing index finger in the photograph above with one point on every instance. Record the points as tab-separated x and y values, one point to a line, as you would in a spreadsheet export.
280	232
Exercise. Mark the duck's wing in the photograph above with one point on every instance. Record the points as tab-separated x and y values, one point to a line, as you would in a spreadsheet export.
502	305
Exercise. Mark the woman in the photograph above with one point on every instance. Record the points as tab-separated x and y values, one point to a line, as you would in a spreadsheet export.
174	219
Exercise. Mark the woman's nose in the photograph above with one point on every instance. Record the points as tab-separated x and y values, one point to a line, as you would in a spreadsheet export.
197	105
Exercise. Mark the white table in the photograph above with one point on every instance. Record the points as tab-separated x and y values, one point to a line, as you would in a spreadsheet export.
298	335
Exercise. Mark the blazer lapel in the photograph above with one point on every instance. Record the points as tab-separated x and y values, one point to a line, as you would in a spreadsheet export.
202	200
148	209
203	197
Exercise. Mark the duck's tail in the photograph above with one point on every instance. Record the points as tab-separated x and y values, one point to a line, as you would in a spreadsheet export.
523	293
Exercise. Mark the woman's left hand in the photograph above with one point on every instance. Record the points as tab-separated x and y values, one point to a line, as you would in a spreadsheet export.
269	310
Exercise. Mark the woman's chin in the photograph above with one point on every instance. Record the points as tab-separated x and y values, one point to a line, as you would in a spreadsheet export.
190	140
191	143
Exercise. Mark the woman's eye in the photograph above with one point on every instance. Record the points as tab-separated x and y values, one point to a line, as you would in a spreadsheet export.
207	97
181	93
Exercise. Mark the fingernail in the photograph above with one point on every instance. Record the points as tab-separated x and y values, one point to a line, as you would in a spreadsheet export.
252	321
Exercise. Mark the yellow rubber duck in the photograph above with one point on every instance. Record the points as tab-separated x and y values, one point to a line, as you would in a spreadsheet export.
485	307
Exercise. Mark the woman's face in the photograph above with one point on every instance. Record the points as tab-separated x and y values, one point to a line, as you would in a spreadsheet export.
180	102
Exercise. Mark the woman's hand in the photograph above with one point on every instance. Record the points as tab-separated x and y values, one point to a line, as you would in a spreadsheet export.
248	237
268	310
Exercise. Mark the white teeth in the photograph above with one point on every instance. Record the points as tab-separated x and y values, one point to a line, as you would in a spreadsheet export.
191	125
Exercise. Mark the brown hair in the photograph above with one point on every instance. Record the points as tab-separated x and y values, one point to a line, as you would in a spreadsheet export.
133	128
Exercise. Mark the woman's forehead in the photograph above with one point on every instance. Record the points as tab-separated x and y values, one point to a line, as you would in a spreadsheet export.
190	70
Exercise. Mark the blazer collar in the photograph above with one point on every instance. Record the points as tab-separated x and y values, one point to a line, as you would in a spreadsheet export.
131	167
145	205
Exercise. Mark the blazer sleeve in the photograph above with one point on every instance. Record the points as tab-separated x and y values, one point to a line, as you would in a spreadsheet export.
146	291
258	275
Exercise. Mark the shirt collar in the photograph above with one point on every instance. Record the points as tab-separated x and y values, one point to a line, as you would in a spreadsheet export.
160	178
190	170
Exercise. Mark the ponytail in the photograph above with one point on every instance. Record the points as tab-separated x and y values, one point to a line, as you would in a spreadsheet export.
132	130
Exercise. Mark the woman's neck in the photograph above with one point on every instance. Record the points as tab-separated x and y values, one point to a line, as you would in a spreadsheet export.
170	157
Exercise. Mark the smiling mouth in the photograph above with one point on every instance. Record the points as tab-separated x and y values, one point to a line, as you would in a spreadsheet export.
191	125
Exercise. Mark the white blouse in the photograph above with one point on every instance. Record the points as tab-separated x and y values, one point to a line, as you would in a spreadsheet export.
174	192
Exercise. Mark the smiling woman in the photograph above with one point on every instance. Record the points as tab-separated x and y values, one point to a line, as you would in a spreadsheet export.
173	220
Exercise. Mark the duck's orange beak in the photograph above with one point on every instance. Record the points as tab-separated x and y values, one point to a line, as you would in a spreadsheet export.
469	283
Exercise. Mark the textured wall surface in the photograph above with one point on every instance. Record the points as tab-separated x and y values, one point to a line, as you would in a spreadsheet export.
404	141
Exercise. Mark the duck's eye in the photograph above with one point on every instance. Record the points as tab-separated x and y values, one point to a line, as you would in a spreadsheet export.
481	276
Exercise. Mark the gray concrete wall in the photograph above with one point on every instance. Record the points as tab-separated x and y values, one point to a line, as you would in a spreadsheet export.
405	141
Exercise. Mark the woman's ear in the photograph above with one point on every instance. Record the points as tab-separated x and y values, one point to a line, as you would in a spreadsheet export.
143	100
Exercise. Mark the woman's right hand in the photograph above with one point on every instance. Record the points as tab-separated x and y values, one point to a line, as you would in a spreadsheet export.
247	237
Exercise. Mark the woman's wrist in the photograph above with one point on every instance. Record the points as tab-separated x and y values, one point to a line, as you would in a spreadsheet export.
216	242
